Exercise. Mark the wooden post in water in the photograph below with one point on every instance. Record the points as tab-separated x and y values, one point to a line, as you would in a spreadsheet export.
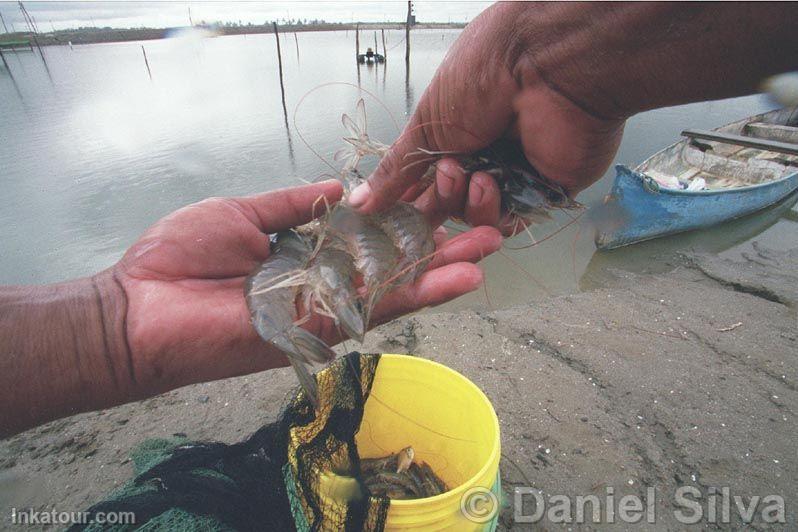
10	75
33	31
5	63
280	68
357	41
376	48
296	41
384	50
146	63
407	32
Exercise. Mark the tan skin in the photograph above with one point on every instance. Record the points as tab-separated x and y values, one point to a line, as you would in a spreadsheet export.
172	312
190	268
561	79
558	78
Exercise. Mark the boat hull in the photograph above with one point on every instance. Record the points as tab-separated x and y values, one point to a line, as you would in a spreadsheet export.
641	210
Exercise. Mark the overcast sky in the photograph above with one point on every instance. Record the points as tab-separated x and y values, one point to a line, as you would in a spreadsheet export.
170	13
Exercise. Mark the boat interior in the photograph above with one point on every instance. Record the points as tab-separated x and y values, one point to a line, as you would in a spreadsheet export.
758	149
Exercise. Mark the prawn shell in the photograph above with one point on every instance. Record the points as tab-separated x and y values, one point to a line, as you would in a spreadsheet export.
393	481
331	286
273	307
412	235
373	252
524	191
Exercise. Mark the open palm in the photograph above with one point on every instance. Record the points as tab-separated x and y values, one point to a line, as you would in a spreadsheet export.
187	320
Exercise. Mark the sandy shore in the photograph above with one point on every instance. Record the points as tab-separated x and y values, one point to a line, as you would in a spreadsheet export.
688	378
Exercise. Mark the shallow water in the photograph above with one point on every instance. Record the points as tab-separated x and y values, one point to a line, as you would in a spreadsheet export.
96	152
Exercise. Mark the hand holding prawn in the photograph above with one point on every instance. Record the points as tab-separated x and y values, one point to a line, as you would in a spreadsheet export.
187	319
318	264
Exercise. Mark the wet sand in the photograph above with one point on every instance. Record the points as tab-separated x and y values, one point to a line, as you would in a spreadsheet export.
683	378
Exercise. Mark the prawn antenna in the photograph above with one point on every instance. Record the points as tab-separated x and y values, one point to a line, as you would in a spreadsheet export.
550	235
329	84
284	280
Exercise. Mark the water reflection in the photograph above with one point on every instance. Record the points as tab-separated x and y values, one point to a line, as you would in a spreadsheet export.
409	98
661	255
94	158
10	74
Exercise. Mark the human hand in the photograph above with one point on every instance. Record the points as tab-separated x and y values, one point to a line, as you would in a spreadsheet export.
561	78
488	87
187	320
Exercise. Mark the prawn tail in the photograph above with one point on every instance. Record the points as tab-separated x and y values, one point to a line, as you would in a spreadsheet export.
311	347
374	297
306	380
352	321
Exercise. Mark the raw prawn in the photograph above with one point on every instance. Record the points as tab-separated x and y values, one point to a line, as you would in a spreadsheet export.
412	234
397	476
329	290
271	297
374	254
524	191
360	144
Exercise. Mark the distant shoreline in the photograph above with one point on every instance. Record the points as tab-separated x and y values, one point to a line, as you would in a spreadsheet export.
107	35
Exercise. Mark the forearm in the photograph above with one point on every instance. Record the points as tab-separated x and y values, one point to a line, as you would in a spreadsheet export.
616	59
62	351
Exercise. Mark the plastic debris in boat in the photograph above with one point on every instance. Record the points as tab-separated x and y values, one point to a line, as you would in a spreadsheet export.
672	182
695	184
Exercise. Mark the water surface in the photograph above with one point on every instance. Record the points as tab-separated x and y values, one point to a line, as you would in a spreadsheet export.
95	152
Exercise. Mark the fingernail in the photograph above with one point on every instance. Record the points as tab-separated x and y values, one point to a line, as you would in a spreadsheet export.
360	195
475	193
445	186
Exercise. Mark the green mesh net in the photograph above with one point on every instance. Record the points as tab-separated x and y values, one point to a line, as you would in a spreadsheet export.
270	481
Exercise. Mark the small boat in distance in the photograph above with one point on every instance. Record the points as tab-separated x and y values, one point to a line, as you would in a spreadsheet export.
705	179
370	57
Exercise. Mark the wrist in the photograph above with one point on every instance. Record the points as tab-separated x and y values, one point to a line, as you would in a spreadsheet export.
614	60
63	351
576	51
110	330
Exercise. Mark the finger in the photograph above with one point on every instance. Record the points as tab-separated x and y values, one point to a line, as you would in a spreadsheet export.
447	196
400	168
415	190
405	163
471	246
440	235
433	288
288	207
484	201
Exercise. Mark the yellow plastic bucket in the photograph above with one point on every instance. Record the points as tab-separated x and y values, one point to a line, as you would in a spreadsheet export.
451	425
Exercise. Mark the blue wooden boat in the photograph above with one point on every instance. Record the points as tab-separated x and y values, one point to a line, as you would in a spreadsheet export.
737	169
